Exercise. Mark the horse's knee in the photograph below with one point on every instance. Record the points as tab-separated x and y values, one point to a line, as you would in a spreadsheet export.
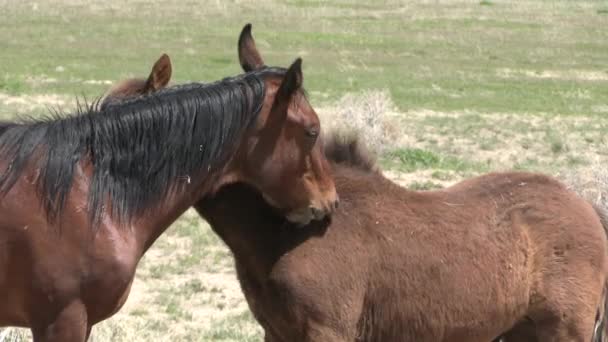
69	325
571	329
524	331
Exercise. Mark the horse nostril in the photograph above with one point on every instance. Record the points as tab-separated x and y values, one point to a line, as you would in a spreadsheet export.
335	203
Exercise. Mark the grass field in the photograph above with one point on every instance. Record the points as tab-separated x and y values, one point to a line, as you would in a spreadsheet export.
442	90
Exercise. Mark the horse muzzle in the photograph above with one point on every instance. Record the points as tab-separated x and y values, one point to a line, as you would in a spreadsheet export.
304	216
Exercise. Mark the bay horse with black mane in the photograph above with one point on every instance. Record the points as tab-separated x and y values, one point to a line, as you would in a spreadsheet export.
84	196
513	253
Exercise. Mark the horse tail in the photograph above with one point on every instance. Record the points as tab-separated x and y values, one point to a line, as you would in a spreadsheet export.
600	333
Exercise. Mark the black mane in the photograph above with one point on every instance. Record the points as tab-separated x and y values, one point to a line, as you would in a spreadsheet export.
138	148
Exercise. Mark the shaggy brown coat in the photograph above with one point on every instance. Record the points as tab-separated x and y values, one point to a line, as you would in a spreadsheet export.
461	264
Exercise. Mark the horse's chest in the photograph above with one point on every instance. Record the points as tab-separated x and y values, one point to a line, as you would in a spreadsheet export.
108	286
100	280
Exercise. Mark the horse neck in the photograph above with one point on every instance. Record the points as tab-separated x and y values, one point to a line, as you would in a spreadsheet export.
255	233
191	186
247	225
148	228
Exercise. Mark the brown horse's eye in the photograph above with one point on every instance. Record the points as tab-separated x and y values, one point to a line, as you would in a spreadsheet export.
312	132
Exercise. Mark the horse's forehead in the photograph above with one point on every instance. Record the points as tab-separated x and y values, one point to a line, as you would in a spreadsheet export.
127	87
273	81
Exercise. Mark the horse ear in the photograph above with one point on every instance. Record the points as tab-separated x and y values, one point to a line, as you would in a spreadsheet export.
249	57
160	74
292	81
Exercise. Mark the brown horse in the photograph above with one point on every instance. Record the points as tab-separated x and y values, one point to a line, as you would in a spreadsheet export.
84	197
461	264
395	265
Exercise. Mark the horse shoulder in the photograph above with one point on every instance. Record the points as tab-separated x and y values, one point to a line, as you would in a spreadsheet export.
324	280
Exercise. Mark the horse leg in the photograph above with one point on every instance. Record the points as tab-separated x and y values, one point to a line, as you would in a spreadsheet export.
269	337
524	331
70	325
576	328
569	309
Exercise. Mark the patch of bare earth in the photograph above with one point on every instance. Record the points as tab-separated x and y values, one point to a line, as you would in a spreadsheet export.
569	75
25	104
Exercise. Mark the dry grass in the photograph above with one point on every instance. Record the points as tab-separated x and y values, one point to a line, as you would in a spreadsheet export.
15	105
590	183
14	335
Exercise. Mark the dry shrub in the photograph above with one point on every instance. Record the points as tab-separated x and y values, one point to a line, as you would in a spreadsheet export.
590	183
370	114
14	335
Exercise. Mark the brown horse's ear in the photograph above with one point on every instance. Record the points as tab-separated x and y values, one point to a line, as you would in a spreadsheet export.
249	57
292	81
160	74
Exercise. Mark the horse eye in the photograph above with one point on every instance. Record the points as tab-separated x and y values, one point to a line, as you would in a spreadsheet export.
312	132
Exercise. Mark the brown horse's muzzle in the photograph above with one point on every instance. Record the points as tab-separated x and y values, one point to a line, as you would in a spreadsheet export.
315	211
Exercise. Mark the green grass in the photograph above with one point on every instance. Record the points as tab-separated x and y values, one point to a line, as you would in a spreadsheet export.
224	330
11	85
426	185
446	57
413	159
442	175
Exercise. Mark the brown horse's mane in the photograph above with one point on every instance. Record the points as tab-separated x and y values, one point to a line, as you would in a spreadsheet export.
348	150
